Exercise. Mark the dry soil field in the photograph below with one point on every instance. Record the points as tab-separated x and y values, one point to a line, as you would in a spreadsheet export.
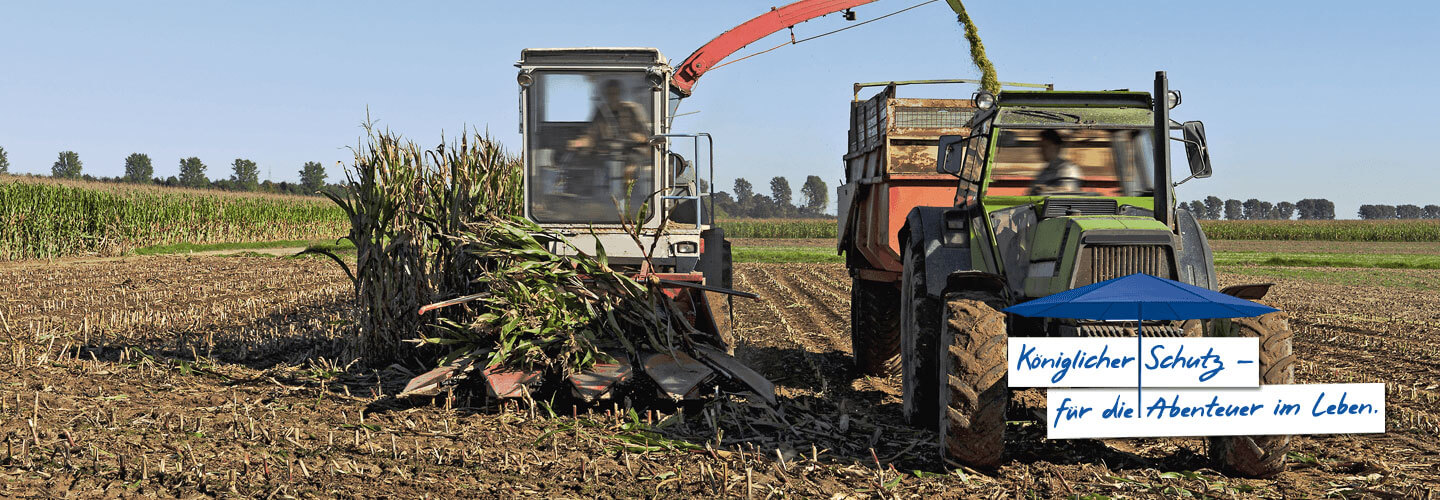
190	376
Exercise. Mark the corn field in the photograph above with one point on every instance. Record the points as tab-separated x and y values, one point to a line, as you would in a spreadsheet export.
1309	230
779	228
45	220
1324	230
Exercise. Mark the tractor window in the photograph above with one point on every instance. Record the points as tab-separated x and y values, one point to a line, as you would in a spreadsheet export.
1087	161
974	164
588	144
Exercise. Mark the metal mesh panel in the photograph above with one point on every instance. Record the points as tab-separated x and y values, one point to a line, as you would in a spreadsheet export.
929	117
1168	331
1109	262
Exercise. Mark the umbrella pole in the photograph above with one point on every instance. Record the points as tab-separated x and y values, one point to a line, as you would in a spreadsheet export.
1139	355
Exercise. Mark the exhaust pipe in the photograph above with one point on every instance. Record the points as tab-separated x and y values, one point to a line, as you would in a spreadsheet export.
1164	204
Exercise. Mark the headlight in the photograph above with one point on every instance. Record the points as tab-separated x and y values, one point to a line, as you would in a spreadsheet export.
524	78
1172	99
685	247
984	100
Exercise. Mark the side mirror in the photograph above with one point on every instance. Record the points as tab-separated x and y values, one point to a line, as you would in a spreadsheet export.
1196	150
950	157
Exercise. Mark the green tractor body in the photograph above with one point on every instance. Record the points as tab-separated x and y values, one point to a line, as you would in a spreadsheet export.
1056	190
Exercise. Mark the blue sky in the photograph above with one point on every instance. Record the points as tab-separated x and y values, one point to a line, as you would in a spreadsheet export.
1300	99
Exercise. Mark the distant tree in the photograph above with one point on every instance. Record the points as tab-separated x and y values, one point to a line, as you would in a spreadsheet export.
815	193
1234	210
1267	210
1214	207
138	168
192	173
780	191
761	206
1409	212
1432	211
1252	209
1305	209
4	162
1368	212
312	177
743	190
724	204
1376	212
1196	208
1315	209
67	166
246	176
1284	210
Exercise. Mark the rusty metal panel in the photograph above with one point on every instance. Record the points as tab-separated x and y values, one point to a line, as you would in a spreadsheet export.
508	383
598	382
911	156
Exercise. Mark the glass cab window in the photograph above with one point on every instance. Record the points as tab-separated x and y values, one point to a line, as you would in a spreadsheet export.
1095	162
588	138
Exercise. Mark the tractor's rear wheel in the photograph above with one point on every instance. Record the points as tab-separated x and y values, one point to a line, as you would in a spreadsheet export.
919	343
1259	456
875	327
974	393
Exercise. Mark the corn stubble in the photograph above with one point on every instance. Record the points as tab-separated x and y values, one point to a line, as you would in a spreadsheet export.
442	228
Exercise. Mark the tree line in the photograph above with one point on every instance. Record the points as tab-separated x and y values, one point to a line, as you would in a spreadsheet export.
1213	208
245	174
745	202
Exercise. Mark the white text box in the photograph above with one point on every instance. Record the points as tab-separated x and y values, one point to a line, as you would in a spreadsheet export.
1111	362
1266	410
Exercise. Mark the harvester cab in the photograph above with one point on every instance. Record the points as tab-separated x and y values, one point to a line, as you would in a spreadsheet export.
595	123
1052	190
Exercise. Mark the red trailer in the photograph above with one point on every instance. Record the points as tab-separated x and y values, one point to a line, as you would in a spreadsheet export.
890	169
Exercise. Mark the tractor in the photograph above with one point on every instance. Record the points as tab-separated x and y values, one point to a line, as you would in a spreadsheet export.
1048	191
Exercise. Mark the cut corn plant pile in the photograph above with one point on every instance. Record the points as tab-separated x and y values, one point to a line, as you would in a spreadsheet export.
534	308
443	260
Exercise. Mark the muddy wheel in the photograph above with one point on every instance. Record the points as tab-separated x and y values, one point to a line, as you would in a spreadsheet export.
1259	456
875	327
919	344
975	392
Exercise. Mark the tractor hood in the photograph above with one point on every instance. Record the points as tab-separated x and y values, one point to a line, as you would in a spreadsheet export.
1070	252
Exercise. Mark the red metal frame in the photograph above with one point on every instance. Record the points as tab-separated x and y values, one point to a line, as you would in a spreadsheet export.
763	25
883	213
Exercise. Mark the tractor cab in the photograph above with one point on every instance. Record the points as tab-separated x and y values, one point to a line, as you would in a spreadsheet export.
595	124
1065	186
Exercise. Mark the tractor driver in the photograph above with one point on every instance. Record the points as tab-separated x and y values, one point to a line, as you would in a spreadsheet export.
618	134
1059	175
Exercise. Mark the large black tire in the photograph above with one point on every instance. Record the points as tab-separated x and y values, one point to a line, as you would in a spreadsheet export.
1259	456
975	391
875	327
919	344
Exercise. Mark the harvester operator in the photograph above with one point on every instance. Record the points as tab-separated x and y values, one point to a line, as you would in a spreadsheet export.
620	134
1059	175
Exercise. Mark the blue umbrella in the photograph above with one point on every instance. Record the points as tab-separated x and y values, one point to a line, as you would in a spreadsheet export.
1136	297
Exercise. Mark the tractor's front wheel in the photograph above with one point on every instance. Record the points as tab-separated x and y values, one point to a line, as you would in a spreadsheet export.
875	327
1259	456
973	389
